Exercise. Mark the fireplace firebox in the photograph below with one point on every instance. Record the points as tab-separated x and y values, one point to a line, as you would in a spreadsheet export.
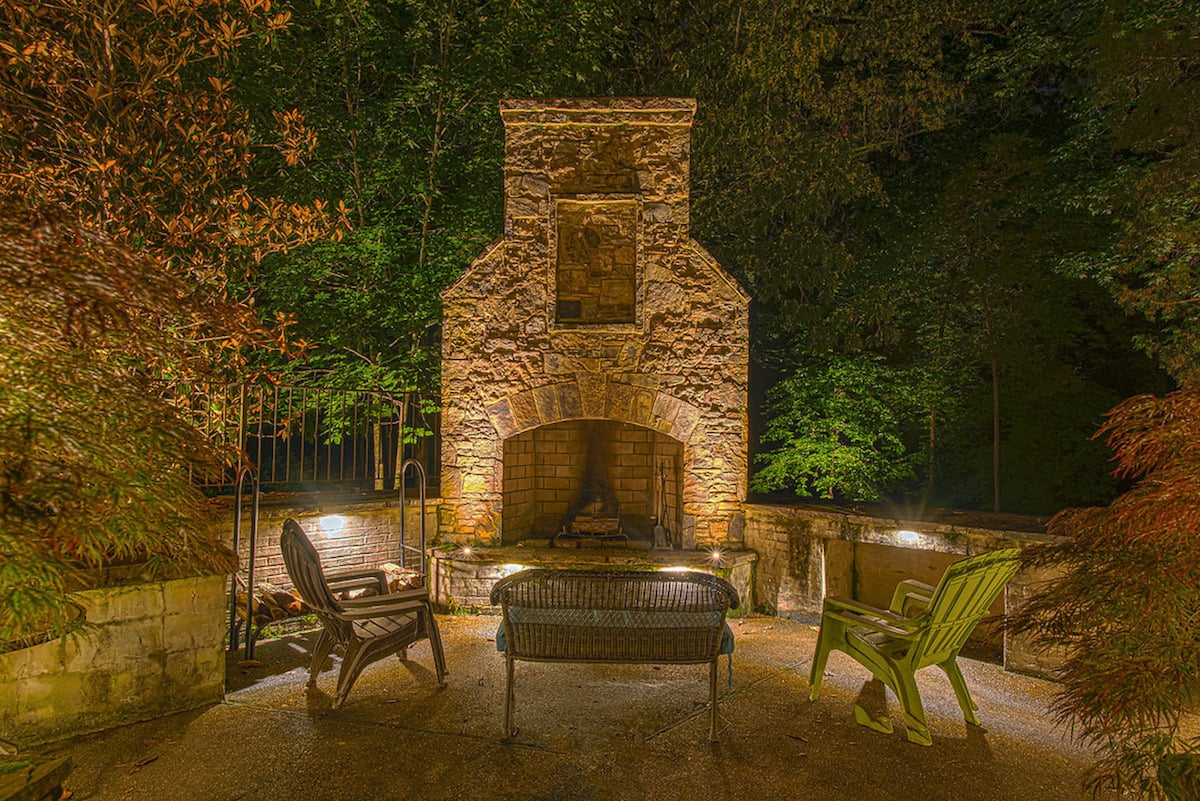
595	357
592	483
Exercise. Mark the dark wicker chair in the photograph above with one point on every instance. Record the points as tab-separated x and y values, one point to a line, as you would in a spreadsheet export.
614	617
367	629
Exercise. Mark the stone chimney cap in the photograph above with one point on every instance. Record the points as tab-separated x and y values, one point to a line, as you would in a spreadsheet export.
598	111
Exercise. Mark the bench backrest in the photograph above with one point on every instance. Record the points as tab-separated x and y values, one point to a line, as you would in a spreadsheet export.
614	616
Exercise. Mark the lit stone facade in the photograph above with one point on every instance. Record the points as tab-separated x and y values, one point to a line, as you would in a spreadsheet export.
595	304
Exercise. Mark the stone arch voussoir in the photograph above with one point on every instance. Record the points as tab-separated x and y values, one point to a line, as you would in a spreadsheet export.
594	397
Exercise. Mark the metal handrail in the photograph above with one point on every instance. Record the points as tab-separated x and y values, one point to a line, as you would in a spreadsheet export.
244	472
401	480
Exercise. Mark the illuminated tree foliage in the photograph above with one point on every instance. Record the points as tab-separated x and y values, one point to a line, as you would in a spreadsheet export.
94	463
405	101
840	429
123	161
855	168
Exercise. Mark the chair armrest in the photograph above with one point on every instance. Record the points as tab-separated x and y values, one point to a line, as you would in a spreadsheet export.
857	613
361	579
911	591
383	605
418	594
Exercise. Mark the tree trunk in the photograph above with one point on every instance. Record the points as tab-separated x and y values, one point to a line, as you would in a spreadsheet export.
401	421
995	434
991	334
932	440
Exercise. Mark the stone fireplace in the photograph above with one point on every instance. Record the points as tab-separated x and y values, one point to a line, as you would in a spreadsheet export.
595	357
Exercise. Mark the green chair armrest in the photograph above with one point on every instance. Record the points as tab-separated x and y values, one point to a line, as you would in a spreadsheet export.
381	605
911	596
857	613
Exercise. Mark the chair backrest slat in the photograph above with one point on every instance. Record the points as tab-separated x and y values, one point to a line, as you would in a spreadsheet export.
304	567
961	599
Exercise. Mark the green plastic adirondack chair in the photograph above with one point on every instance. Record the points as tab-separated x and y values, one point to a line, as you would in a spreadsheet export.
923	626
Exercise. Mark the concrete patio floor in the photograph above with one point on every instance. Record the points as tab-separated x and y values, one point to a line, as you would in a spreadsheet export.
586	732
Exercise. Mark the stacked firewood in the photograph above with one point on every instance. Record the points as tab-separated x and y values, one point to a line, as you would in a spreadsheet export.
272	603
402	578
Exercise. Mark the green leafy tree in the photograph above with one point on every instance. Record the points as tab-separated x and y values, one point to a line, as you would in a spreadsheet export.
404	100
795	101
878	204
839	429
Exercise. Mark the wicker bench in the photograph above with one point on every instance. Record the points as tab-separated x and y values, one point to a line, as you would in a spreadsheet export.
675	618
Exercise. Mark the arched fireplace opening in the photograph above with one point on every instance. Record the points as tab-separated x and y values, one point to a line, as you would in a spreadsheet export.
592	483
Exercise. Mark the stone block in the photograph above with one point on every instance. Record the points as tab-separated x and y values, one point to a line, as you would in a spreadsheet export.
110	604
501	416
525	413
593	392
49	697
547	400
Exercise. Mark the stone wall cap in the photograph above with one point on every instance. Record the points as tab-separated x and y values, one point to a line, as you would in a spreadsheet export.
935	521
598	110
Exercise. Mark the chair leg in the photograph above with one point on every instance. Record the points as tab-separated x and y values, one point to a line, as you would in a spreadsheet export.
880	723
825	639
435	645
914	711
712	701
352	665
509	731
965	701
873	695
320	653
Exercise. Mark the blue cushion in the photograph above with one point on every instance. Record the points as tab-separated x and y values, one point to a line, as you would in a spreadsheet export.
726	639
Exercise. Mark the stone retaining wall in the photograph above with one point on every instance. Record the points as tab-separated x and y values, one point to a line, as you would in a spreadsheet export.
153	649
807	553
803	554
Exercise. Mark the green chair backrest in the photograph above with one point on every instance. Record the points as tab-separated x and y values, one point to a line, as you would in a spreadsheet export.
961	600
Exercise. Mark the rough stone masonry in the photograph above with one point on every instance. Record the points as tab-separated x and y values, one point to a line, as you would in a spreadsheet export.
595	304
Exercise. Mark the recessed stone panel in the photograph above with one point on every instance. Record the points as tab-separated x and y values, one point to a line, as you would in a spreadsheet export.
596	262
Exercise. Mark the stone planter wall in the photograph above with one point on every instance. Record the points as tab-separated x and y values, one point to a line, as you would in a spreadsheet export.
153	649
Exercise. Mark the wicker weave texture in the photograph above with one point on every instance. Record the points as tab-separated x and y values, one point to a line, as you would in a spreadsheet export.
614	616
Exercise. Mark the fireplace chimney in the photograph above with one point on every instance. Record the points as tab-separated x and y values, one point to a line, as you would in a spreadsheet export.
595	311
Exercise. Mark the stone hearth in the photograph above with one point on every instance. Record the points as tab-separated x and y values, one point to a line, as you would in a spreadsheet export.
595	338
